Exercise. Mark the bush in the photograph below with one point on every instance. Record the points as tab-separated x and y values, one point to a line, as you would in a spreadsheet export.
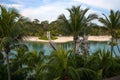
45	38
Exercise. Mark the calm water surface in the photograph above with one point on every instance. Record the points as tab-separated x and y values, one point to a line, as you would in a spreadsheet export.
93	46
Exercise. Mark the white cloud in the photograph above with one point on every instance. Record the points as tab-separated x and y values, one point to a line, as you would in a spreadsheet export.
17	6
46	12
106	4
50	10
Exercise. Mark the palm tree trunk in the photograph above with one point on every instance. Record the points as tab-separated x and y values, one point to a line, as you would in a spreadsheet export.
85	46
8	66
115	53
76	45
118	48
117	44
75	51
7	50
112	46
64	76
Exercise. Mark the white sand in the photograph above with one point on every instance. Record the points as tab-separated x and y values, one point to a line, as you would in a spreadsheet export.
68	38
99	38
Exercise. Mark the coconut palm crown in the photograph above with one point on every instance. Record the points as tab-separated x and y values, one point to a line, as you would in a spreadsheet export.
112	23
77	20
10	30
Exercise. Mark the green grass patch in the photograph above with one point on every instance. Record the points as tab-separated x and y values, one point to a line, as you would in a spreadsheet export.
45	38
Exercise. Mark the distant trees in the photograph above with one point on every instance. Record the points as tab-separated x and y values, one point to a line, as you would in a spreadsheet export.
45	25
55	28
33	28
36	21
98	31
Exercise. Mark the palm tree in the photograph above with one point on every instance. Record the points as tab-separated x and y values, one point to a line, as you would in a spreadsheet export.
10	28
102	62
18	62
3	73
112	23
65	65
76	22
45	25
34	61
58	65
36	21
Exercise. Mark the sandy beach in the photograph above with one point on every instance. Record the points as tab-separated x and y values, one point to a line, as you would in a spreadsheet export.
63	39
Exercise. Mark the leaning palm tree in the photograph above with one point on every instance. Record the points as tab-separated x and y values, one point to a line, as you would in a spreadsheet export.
112	23
10	29
75	23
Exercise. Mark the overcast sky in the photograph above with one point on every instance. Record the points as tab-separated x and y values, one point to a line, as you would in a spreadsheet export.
51	9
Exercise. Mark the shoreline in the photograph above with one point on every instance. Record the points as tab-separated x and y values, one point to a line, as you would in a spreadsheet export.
64	39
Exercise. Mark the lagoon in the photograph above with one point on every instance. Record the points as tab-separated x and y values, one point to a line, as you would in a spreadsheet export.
93	46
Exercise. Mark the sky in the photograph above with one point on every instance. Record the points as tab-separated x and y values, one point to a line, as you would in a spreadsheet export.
51	9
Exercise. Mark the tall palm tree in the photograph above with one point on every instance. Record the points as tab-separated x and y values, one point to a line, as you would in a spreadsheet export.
112	23
10	28
77	20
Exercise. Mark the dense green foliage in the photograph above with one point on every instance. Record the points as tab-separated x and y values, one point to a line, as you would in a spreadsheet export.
11	23
3	74
61	65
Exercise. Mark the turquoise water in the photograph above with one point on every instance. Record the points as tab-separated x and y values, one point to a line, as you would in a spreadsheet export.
38	46
93	46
